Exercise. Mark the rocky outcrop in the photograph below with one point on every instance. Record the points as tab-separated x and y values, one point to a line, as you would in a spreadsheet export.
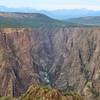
64	58
46	93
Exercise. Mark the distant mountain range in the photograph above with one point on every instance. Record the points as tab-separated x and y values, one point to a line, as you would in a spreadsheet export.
56	14
70	13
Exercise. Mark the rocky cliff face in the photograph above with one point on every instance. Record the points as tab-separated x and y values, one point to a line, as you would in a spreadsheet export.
64	58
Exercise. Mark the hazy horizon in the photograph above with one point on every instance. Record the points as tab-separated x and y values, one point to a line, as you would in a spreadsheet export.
53	4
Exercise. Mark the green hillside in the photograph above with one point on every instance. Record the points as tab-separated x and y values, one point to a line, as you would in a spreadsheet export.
21	20
28	20
87	21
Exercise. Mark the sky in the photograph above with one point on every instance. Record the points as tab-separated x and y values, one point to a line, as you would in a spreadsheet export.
52	4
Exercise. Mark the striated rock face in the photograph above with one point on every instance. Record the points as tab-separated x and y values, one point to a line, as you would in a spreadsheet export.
64	58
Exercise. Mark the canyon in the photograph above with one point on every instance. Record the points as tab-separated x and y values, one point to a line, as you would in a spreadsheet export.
66	58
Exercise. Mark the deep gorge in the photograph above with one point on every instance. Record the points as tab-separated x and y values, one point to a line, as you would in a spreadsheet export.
64	58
